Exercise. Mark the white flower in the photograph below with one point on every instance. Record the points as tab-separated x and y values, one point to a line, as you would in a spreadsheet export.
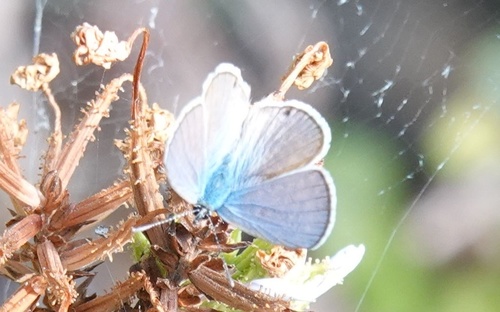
306	282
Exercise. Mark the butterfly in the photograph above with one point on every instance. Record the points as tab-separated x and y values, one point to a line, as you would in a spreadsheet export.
255	165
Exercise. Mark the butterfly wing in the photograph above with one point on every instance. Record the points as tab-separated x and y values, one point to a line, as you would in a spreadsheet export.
279	137
206	131
184	156
226	102
279	193
296	210
266	151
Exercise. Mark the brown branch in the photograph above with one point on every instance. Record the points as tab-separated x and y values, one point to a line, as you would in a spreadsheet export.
17	187
87	254
142	176
93	208
17	235
74	148
55	140
26	296
120	293
61	288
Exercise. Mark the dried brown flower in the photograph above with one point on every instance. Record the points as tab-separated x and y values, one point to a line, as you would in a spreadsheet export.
280	260
32	77
308	66
102	49
15	132
319	61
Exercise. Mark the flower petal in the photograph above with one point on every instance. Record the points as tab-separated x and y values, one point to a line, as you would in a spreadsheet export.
309	289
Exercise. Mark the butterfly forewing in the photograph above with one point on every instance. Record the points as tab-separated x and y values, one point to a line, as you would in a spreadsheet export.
226	103
207	129
184	158
279	137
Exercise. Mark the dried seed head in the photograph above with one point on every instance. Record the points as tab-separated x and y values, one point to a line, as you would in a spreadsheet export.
61	286
308	66
161	122
17	235
280	260
13	132
159	125
315	69
32	77
26	296
95	47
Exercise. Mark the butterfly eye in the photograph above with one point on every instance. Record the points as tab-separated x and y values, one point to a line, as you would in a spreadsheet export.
200	212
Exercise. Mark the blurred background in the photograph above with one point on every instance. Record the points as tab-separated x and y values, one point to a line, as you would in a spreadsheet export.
412	100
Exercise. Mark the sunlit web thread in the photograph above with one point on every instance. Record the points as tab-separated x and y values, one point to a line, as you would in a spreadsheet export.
37	25
413	205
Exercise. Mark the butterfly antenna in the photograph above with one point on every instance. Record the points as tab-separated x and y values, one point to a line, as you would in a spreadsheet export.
200	212
170	218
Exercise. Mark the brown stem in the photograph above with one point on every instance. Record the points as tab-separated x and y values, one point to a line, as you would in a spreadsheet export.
95	207
18	234
26	295
17	187
142	176
55	141
79	138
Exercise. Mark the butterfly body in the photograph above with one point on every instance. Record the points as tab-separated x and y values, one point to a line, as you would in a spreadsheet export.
219	187
255	165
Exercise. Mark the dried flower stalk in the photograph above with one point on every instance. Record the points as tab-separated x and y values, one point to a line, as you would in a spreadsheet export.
83	133
211	280
17	235
99	249
61	287
26	296
17	187
13	136
106	201
121	293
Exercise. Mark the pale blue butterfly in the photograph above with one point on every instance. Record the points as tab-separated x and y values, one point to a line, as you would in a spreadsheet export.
255	165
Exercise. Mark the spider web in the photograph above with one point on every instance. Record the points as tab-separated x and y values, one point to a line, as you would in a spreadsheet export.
411	100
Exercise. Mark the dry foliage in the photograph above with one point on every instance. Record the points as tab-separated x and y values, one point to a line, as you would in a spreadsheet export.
180	271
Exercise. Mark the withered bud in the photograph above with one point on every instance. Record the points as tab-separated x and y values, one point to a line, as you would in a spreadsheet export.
161	122
61	287
280	260
95	47
17	235
15	131
44	69
315	69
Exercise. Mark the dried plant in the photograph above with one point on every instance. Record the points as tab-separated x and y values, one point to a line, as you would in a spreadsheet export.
180	265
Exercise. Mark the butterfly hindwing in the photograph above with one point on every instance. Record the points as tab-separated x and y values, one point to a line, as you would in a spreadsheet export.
296	210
